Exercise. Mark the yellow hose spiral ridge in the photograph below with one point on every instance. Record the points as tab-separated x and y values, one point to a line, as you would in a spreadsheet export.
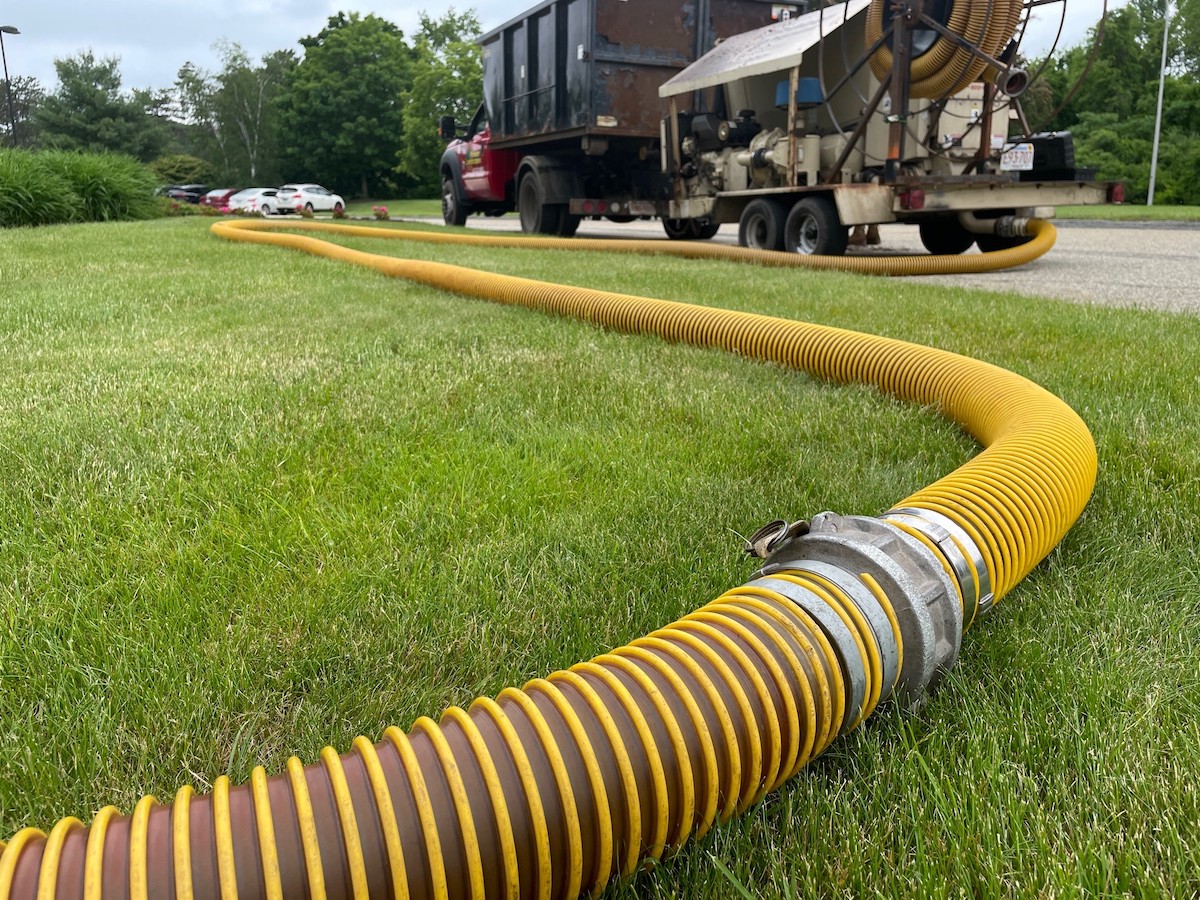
577	779
947	68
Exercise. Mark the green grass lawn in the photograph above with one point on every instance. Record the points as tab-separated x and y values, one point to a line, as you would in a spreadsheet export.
396	208
256	502
1129	212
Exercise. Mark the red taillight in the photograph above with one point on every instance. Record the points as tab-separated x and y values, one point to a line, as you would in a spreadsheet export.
914	199
588	207
1116	193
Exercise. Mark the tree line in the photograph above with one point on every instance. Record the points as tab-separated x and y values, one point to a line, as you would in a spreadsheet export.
1105	92
355	110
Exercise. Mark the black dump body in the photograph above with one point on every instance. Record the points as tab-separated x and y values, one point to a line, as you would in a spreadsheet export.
592	68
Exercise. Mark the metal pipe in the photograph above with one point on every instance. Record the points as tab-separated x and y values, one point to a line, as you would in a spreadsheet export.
1162	78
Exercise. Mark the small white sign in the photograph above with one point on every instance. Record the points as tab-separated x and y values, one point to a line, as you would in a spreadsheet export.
1017	158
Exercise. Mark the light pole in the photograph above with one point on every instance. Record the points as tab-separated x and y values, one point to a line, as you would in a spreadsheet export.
1162	77
12	118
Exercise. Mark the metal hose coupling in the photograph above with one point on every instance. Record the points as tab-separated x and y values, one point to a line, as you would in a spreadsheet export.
887	601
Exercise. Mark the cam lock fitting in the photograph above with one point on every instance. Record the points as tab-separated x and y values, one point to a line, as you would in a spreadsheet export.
913	609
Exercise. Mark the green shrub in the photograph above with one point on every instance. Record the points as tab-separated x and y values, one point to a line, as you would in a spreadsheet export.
179	168
109	186
31	193
167	207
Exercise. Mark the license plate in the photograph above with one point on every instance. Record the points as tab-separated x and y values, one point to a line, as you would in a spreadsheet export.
1017	158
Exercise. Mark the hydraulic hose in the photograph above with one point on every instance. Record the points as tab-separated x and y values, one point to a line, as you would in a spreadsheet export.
580	777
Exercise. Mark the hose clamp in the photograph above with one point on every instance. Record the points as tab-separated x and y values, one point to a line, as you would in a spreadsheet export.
960	551
854	675
927	606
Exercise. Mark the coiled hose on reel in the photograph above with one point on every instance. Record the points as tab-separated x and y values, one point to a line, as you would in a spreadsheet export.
945	67
578	778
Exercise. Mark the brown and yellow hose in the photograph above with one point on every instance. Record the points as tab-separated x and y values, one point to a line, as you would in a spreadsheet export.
947	68
577	779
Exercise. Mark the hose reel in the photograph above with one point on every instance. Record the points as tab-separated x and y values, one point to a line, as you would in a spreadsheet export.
953	42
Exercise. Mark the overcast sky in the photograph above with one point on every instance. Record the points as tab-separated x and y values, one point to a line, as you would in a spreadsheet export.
153	38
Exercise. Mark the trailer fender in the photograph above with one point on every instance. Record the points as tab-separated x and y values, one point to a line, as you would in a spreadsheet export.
864	204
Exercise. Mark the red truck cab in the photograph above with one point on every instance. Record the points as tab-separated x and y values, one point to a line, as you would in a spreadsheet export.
476	177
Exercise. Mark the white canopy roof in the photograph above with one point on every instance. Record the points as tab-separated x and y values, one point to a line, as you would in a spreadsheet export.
775	48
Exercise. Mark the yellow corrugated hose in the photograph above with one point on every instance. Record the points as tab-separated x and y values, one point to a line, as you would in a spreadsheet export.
578	778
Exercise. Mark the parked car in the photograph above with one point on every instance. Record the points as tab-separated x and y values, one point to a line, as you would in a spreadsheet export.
313	197
187	193
218	198
254	200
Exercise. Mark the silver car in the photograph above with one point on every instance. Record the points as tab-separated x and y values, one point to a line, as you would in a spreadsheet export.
312	197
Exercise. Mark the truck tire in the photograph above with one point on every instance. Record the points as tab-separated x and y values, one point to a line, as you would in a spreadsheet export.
689	229
537	216
945	236
814	229
761	224
567	223
454	211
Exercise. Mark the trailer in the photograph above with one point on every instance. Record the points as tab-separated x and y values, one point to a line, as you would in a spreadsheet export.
794	125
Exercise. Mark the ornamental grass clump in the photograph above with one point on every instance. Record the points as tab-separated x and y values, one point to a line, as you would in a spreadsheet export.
31	193
109	186
57	186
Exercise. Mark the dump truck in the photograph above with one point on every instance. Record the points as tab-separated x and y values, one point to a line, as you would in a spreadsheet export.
794	124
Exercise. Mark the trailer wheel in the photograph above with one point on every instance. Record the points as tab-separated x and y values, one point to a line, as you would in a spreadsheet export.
992	242
690	229
537	216
945	236
814	229
454	211
761	225
677	229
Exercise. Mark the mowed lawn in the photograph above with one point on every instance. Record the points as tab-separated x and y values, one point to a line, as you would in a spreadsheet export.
254	502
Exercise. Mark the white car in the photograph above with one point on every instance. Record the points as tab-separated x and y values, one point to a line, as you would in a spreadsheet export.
254	200
313	197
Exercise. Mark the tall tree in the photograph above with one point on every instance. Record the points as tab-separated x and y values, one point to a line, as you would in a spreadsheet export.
89	112
196	105
27	95
234	113
340	106
447	80
245	100
1112	112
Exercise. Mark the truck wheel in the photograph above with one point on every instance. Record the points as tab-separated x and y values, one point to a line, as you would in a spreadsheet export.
537	216
704	231
567	223
989	243
945	236
454	211
813	228
761	224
